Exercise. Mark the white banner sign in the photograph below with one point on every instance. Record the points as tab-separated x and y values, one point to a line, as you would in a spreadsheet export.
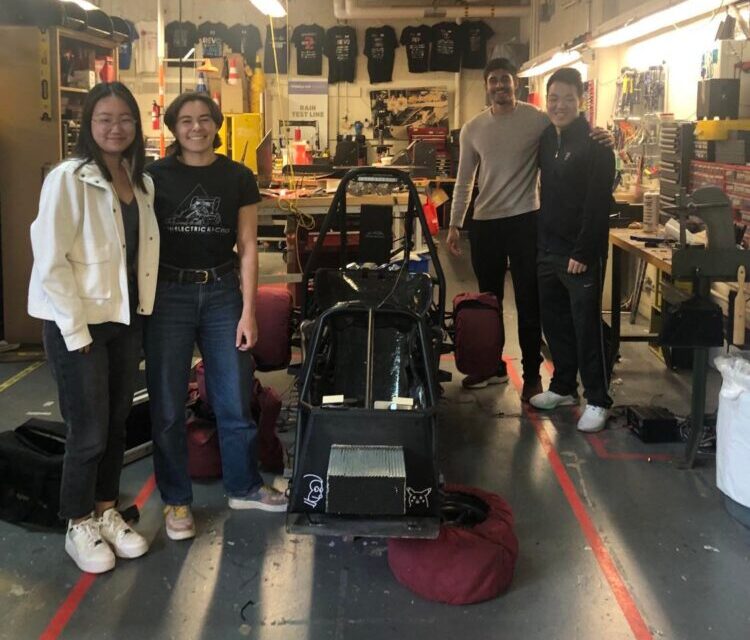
308	102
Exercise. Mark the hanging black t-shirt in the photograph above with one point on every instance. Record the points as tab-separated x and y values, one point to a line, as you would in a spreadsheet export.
244	39
416	41
282	48
212	36
125	54
380	51
341	51
475	36
197	209
180	37
308	39
445	54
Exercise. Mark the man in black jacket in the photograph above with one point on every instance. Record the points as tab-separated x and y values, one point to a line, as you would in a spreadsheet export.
576	199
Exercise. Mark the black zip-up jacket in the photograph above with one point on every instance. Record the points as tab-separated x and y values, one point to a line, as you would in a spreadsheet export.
577	175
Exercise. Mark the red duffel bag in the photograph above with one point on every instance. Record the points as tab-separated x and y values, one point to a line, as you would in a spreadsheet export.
479	333
273	313
465	564
266	407
204	455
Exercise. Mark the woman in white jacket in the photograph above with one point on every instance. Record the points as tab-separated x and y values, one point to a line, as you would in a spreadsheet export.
96	252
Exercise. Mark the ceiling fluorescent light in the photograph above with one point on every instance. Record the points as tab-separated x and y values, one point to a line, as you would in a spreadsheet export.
84	4
559	59
645	23
272	8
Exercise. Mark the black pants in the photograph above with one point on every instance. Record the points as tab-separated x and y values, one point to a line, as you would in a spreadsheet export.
496	244
96	394
572	319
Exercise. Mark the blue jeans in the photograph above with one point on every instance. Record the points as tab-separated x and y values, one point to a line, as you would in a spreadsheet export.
206	314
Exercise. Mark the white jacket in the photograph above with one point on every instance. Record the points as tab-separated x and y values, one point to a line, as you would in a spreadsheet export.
79	275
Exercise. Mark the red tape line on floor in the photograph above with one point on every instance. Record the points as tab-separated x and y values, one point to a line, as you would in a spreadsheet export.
80	589
604	559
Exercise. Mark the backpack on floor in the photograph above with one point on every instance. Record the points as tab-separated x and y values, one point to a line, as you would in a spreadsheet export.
31	461
204	455
273	313
266	408
478	333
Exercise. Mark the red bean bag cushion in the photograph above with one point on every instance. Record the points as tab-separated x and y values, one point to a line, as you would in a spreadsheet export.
462	565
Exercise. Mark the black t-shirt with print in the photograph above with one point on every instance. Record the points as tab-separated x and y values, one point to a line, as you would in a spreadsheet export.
416	41
308	39
244	39
445	54
197	209
180	37
380	51
475	36
341	51
282	48
212	36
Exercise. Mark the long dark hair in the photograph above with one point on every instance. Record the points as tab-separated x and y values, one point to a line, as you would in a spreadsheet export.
173	112
88	150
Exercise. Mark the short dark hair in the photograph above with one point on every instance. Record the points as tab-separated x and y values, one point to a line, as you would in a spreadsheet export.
567	75
89	151
500	63
173	112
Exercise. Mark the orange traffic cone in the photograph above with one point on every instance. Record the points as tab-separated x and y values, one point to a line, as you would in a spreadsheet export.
234	75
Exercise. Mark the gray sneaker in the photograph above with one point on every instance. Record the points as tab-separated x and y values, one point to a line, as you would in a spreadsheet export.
266	499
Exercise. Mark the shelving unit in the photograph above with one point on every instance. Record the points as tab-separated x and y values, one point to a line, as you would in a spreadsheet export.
38	128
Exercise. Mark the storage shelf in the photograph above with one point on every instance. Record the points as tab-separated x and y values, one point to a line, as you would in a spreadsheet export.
73	90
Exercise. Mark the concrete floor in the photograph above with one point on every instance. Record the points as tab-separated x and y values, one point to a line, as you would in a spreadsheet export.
615	541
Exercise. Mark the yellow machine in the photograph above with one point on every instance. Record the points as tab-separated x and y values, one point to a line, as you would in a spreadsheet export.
241	134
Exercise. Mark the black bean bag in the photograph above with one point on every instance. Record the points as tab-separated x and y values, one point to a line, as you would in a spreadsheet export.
468	562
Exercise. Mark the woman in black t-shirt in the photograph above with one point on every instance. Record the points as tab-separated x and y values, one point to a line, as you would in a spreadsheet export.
205	204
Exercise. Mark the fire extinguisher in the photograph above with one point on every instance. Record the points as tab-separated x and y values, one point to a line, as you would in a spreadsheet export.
155	116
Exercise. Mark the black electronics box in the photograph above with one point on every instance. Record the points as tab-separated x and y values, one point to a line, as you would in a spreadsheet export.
704	150
734	150
718	98
653	424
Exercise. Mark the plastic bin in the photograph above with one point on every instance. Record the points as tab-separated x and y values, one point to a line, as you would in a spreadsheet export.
733	431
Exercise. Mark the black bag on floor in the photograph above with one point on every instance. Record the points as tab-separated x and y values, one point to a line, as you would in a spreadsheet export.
31	460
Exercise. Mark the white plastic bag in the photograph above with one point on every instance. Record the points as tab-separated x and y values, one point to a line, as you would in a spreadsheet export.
733	429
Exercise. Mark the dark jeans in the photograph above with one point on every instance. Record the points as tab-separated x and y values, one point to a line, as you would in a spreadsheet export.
494	245
572	319
207	314
96	394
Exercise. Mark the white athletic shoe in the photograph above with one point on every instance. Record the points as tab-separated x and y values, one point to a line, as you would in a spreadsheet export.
125	542
548	400
593	419
84	544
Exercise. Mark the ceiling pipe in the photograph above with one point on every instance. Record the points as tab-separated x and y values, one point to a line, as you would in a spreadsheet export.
348	10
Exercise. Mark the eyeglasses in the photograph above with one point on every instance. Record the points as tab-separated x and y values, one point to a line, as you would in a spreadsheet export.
110	123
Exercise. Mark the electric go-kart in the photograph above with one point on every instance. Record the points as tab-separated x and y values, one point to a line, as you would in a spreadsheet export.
372	334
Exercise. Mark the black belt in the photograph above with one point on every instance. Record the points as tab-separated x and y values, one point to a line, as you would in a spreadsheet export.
194	276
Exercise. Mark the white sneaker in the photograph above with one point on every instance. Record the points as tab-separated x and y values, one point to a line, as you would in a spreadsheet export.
548	400
593	419
125	542
84	544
